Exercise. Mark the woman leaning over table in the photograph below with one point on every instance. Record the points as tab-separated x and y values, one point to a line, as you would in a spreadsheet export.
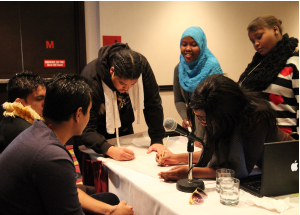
196	63
274	70
237	124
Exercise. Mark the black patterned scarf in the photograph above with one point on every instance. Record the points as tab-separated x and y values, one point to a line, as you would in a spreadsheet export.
264	74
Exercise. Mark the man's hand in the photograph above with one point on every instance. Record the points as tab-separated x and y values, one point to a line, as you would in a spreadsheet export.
123	209
120	154
157	147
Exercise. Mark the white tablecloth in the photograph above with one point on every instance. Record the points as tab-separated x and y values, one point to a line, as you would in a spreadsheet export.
143	162
137	182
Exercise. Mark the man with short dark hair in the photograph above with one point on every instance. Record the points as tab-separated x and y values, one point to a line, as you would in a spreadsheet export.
25	100
37	171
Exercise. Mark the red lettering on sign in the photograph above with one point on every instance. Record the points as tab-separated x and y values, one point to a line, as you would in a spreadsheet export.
54	63
49	45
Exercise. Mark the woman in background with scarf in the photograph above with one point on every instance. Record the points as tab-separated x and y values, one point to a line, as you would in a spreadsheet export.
274	70
196	64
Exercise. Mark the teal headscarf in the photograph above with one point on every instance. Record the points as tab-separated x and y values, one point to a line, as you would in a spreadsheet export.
191	74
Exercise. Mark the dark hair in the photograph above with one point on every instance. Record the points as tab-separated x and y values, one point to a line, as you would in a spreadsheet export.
265	21
228	107
65	94
127	64
23	84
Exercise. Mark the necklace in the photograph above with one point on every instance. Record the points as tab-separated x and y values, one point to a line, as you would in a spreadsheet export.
17	109
240	84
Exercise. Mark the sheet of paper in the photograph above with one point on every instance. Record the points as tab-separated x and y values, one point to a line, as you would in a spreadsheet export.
145	163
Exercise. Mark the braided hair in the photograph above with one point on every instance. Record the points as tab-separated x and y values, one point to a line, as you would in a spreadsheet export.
127	64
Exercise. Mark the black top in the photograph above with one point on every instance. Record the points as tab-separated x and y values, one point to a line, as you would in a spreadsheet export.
38	175
10	128
95	132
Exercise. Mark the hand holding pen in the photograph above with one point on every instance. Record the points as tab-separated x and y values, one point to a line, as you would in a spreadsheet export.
163	154
187	125
165	147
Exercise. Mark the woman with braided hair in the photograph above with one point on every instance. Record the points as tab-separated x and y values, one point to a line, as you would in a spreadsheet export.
123	86
274	70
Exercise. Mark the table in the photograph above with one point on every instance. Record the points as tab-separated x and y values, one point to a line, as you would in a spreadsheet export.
137	182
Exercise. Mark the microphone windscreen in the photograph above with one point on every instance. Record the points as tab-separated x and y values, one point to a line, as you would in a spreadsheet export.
170	124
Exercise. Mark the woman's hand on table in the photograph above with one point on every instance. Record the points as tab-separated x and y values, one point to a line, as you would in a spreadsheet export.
120	154
168	159
123	209
175	173
198	144
157	147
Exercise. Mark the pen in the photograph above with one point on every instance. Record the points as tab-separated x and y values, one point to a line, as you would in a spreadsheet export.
189	128
165	147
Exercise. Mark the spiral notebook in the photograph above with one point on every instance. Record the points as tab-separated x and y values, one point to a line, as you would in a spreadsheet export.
280	171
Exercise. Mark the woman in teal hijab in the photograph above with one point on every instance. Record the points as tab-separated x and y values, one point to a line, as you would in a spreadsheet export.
194	72
196	64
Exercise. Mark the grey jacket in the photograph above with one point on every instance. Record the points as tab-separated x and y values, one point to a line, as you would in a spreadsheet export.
181	100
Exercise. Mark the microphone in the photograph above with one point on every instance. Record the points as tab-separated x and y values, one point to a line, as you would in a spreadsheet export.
186	184
171	125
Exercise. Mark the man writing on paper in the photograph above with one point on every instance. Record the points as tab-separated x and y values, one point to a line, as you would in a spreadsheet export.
123	86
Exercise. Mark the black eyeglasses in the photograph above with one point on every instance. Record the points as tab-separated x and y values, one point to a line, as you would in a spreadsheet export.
197	197
201	118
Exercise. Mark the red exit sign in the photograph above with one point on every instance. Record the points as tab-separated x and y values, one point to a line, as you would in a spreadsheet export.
54	63
109	40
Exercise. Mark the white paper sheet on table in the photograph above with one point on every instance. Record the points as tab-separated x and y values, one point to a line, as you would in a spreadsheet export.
143	162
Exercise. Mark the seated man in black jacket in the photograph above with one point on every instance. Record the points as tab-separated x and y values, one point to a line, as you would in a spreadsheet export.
123	86
25	100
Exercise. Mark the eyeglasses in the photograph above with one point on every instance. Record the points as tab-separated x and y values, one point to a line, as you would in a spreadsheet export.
197	197
201	118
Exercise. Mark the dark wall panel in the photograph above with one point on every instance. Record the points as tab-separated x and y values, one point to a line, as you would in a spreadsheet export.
53	24
32	32
10	42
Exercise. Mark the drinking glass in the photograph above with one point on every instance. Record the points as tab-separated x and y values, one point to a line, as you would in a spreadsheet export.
222	173
230	191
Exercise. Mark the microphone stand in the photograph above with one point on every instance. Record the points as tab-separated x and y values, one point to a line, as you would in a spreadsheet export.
189	184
